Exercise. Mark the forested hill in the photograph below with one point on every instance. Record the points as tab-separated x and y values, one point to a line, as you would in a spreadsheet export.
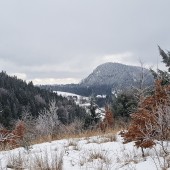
106	78
118	75
17	96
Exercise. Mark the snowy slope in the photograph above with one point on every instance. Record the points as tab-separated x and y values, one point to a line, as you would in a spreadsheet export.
78	99
117	75
100	152
85	104
66	94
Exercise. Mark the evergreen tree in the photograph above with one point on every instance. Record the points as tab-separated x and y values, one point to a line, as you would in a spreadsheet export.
165	57
124	104
163	75
16	95
93	117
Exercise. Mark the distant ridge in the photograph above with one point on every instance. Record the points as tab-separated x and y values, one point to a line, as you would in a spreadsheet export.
118	75
106	78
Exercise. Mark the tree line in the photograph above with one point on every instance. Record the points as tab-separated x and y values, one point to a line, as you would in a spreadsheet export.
17	97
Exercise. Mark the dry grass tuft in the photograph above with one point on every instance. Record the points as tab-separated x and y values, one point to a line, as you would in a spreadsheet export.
126	157
97	155
48	161
110	137
42	163
72	142
99	158
83	134
16	161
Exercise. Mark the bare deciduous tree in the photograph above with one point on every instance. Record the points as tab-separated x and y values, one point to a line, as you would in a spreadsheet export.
141	88
47	121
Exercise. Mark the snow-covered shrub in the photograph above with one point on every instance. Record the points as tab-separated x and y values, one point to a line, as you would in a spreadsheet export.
47	122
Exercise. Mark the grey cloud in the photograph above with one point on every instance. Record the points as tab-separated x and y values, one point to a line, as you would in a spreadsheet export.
74	34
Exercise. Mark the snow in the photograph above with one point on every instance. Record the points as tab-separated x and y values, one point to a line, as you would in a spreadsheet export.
98	152
83	101
101	96
77	98
66	94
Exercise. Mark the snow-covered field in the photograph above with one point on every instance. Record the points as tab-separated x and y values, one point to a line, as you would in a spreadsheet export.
78	99
94	153
85	104
66	94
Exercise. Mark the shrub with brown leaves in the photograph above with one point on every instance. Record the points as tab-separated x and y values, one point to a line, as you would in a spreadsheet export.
11	139
152	120
108	121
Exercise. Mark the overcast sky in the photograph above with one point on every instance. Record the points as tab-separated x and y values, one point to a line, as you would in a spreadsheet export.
62	41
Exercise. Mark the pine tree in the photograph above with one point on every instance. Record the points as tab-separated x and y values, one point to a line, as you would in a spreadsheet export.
163	75
123	104
165	57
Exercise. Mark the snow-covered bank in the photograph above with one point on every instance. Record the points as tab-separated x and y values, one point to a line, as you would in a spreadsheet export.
99	152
